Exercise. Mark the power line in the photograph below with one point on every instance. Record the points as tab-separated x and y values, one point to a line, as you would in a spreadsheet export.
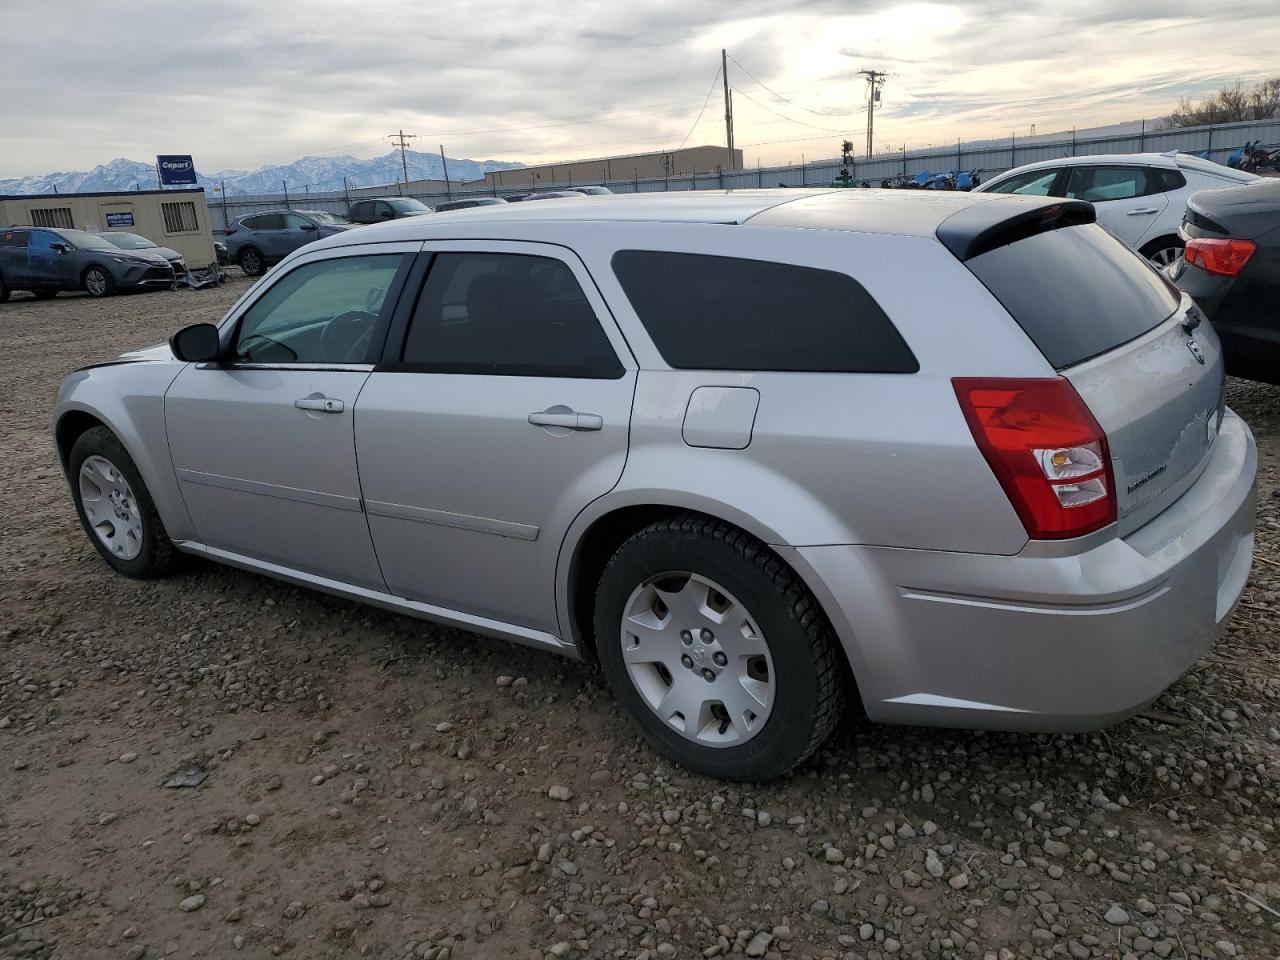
710	91
812	126
798	106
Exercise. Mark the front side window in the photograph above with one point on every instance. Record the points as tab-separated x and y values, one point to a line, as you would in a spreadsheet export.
1100	184
322	312
725	313
293	221
506	314
1033	183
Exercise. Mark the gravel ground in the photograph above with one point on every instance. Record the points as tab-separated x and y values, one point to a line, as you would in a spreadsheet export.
380	787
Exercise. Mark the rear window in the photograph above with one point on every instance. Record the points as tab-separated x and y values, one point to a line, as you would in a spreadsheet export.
723	313
1076	291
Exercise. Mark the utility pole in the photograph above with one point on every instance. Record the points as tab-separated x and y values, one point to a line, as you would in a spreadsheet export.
728	104
447	189
875	80
401	138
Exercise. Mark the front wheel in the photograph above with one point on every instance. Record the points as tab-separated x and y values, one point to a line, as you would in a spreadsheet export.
98	282
115	508
717	650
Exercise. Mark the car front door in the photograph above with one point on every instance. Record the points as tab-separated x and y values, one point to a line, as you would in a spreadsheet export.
1128	199
298	231
496	416
51	261
263	443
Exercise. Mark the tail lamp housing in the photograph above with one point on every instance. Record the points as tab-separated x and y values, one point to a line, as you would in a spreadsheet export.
1047	451
1226	258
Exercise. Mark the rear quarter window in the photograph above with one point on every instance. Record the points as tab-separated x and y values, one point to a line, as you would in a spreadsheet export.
1077	291
724	313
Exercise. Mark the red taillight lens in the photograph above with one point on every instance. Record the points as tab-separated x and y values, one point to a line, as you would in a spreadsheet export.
1047	451
1225	257
231	228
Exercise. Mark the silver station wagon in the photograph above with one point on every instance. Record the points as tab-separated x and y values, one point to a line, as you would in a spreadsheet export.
962	459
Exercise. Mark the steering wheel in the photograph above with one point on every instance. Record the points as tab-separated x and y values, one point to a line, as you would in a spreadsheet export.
346	336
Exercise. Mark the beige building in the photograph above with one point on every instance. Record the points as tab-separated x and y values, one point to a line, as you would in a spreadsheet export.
176	218
641	166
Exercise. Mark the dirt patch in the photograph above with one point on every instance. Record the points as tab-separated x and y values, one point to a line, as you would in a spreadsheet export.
377	786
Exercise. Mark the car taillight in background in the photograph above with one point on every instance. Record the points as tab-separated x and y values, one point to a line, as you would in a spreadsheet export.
230	229
1224	257
1047	451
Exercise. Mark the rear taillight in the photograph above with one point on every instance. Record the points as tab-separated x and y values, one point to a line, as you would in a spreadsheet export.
1047	451
1224	257
231	228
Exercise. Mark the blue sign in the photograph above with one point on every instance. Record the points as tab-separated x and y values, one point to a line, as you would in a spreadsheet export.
175	170
120	219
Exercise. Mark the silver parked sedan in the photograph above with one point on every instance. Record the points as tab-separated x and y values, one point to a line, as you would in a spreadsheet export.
733	445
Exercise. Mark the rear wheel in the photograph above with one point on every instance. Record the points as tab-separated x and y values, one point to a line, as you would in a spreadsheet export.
115	508
251	262
717	650
98	282
1163	251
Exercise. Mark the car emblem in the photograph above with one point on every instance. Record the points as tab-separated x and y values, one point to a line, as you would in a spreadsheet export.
1195	349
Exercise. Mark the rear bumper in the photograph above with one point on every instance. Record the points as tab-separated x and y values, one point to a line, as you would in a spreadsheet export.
1245	313
1045	642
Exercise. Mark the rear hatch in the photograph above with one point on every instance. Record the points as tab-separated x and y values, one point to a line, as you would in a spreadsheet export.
1118	331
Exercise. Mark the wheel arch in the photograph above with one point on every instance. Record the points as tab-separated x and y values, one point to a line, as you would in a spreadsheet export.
1160	242
70	426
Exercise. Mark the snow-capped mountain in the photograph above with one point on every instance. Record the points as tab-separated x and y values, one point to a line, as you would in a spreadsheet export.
316	174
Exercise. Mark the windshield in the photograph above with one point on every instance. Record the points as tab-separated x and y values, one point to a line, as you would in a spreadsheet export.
86	241
128	241
409	205
324	216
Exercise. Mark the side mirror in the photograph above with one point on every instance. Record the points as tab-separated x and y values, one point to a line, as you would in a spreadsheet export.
387	215
197	343
59	247
309	226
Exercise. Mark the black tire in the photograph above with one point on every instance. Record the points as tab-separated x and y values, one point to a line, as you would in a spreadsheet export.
157	556
98	282
4	290
251	262
810	684
45	294
1162	251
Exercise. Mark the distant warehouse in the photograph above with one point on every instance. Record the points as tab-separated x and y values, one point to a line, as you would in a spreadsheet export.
175	218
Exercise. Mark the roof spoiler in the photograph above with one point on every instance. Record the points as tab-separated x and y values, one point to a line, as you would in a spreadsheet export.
981	227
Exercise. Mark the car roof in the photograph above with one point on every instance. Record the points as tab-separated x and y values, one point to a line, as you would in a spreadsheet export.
1167	160
900	212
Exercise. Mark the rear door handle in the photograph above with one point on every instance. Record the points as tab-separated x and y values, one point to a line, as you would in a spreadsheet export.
1141	211
568	421
320	404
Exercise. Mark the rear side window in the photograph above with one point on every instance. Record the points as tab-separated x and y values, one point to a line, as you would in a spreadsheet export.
723	313
13	238
1100	184
265	221
1076	291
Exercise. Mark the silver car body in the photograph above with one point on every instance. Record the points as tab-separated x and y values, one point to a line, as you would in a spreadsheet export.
870	486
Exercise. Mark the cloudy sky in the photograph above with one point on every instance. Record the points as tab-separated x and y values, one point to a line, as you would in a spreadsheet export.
241	84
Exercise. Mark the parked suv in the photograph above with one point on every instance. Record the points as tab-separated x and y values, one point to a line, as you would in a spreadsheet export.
1139	196
377	209
258	240
726	443
47	261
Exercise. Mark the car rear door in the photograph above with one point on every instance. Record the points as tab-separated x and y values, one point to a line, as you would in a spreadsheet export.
263	444
500	410
1128	199
13	257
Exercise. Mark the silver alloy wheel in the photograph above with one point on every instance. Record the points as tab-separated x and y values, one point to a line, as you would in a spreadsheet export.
111	507
1165	256
698	659
250	262
95	281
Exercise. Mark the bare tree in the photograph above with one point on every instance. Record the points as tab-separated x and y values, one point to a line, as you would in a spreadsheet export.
1238	102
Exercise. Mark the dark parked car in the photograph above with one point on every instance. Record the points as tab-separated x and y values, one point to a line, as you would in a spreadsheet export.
469	202
257	240
135	241
1231	266
590	191
379	209
47	261
549	195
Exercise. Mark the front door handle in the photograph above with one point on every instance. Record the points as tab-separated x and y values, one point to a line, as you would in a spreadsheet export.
1141	211
320	404
569	420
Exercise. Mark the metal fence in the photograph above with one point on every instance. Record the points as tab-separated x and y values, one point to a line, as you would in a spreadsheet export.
991	157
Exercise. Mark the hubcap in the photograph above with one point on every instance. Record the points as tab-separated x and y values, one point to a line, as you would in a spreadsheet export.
251	263
111	507
96	282
698	659
1165	256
